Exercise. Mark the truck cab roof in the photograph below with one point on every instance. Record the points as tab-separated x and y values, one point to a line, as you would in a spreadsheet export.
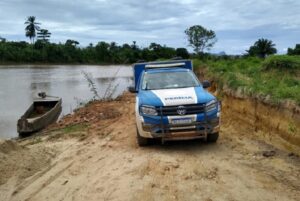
160	66
159	70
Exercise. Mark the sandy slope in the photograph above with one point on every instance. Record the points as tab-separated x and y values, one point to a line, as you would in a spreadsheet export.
103	162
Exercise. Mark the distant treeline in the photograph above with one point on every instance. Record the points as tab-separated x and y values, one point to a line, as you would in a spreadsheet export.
41	50
101	53
71	52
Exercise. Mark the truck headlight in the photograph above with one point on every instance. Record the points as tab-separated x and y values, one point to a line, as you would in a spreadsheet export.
148	110
211	105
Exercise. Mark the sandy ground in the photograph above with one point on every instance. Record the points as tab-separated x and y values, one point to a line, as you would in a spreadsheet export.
93	155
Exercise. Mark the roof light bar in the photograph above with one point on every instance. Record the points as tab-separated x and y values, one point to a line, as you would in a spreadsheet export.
164	65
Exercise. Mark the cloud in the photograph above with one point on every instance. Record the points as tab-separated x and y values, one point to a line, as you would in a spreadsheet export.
237	23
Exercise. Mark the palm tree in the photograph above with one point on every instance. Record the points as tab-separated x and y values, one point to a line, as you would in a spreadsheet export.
262	48
31	28
43	35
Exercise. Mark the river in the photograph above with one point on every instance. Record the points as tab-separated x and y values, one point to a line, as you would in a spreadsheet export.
19	85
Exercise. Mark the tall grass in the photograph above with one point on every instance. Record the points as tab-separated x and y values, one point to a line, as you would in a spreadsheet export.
282	62
277	77
109	91
92	85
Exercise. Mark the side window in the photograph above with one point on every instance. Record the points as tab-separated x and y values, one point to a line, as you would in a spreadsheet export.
143	81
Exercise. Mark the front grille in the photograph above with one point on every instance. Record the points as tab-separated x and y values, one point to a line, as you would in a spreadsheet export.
172	110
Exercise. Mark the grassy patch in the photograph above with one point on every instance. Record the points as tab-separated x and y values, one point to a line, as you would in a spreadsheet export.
276	77
76	130
292	128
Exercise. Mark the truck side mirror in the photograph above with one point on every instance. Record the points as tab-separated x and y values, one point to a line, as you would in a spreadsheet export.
206	84
132	89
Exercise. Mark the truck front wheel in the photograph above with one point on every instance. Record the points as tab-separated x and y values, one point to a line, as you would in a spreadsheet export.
213	137
142	141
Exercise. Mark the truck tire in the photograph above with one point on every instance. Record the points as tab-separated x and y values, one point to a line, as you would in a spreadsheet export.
212	138
142	141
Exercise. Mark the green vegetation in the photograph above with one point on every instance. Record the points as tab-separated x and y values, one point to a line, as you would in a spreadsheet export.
295	51
200	38
289	63
92	85
31	28
292	128
43	35
277	78
70	52
74	128
262	48
42	51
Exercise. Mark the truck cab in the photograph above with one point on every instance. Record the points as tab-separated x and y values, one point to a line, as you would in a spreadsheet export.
171	103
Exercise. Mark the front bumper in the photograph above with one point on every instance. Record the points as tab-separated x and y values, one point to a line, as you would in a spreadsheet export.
193	130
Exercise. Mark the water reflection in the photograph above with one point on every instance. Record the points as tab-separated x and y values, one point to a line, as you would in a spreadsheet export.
20	84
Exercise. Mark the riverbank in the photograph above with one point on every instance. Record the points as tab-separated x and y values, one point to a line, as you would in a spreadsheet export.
263	94
93	155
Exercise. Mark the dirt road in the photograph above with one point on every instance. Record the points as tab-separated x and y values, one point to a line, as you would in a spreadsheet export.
98	159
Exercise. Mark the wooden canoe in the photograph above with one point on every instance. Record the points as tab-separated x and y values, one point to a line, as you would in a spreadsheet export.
40	114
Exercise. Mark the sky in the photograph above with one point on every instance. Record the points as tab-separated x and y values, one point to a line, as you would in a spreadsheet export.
237	23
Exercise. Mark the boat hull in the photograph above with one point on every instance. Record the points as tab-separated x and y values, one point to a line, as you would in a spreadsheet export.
28	124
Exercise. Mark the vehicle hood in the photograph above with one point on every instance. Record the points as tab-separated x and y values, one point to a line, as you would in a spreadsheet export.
169	97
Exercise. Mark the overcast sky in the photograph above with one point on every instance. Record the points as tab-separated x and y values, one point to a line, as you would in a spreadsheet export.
237	23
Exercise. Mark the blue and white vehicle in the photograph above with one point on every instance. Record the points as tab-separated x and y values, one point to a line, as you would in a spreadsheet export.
171	103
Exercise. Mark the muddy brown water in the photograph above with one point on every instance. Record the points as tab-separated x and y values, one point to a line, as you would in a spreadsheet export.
19	85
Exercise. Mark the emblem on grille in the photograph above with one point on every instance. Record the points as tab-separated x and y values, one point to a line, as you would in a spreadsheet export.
181	110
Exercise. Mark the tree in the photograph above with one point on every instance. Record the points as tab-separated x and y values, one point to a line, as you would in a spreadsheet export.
134	45
102	51
183	53
72	43
31	28
43	35
200	38
295	51
155	46
69	52
262	48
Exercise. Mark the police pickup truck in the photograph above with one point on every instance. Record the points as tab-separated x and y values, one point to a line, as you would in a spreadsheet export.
171	103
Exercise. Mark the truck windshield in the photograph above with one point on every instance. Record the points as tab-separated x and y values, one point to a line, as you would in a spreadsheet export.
168	80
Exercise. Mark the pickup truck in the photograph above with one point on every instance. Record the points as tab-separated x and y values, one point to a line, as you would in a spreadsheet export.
171	103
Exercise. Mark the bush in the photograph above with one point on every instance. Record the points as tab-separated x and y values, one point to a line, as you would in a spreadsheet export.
295	51
282	62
